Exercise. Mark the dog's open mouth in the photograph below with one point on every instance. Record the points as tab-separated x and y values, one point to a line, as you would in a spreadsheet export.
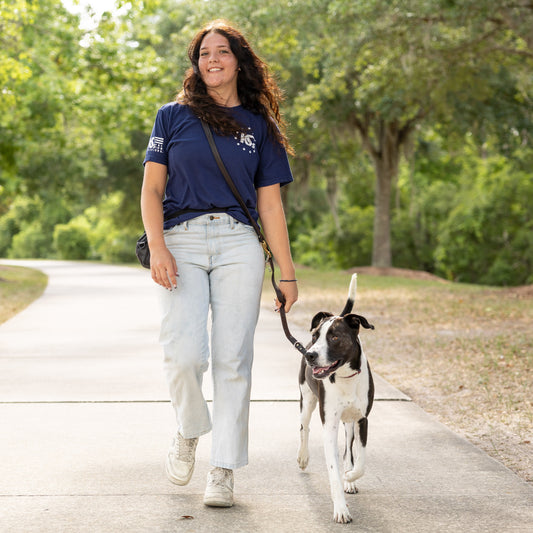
321	372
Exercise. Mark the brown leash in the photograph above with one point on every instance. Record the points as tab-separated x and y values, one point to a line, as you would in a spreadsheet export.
260	236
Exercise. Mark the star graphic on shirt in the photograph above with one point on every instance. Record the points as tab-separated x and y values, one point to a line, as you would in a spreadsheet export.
247	141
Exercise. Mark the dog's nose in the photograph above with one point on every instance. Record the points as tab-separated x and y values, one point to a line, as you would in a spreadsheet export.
311	356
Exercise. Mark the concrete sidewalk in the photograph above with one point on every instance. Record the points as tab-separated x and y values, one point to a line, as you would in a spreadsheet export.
85	424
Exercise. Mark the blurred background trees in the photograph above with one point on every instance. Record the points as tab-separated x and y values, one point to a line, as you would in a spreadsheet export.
412	123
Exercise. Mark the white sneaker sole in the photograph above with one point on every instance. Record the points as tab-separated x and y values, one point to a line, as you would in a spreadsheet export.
177	480
218	501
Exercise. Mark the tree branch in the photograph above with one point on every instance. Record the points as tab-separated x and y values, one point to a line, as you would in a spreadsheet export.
363	128
524	53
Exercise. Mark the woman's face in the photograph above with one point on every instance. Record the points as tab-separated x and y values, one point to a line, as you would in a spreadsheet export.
218	65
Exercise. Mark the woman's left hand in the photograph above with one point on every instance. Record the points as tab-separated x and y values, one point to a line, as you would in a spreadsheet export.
290	291
272	216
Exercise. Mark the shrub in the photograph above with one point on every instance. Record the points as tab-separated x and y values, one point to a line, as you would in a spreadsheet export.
327	246
32	242
487	237
71	241
108	239
415	231
119	247
352	245
22	211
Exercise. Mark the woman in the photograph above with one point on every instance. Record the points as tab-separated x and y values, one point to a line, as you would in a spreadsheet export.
204	252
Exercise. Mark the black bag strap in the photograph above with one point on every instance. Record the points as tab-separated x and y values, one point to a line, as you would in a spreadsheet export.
260	235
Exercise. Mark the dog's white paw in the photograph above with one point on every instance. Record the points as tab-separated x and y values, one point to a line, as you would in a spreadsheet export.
350	488
341	515
303	459
354	474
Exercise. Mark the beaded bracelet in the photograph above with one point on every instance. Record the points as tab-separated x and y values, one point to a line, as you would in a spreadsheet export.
287	280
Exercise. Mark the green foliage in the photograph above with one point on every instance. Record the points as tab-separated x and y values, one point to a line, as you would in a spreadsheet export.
104	229
13	69
22	211
447	84
31	242
415	230
487	236
71	242
26	229
353	245
382	69
313	249
426	193
325	246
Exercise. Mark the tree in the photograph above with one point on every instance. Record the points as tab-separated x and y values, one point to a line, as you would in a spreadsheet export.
69	127
364	82
13	15
385	67
13	71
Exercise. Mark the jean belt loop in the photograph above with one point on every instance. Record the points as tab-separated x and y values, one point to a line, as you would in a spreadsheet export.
232	222
186	224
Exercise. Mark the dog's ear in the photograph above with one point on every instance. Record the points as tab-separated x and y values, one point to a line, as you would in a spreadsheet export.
354	321
364	322
318	318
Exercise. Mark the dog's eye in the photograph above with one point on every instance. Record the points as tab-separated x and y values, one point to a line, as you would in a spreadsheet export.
334	338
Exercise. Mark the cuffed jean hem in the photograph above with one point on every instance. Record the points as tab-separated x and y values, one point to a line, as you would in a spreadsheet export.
196	435
228	465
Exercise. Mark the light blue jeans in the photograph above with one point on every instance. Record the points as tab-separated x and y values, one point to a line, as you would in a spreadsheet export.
221	266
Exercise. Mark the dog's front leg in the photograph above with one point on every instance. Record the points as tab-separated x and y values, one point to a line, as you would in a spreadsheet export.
360	452
341	513
308	403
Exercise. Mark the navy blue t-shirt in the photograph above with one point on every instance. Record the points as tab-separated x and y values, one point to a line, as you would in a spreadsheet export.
252	159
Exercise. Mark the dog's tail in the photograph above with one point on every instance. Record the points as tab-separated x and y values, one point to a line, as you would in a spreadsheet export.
351	296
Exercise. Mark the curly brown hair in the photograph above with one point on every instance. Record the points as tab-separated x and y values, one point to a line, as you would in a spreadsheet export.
258	91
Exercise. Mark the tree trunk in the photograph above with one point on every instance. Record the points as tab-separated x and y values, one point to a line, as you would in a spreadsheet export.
386	156
383	141
381	244
332	197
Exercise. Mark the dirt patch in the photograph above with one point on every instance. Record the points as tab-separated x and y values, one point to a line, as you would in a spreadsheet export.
524	292
399	272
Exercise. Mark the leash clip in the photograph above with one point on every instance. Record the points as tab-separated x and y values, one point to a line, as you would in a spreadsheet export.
266	249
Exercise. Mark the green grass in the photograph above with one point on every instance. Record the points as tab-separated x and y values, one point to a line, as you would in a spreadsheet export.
19	287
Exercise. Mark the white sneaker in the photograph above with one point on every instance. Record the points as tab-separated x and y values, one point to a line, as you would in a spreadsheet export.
219	490
180	459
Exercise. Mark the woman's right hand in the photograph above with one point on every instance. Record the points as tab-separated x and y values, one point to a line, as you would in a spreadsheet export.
163	267
162	263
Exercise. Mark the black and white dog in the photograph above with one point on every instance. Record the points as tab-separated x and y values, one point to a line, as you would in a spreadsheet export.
336	373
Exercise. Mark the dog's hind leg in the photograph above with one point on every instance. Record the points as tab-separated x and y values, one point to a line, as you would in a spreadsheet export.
349	432
308	403
360	452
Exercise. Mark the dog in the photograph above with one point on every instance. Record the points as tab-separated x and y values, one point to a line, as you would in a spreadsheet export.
335	373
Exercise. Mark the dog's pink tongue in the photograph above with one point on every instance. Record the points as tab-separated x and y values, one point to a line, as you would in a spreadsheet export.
317	370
